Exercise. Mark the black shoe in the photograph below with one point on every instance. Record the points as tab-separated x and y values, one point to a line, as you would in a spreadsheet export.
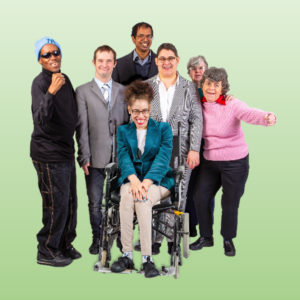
150	269
94	249
155	248
170	247
229	249
202	242
71	252
137	246
58	261
122	264
193	231
119	244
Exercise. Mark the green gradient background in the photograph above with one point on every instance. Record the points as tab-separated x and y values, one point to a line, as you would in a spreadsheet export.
257	42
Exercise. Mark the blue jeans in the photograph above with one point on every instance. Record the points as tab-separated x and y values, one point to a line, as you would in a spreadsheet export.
57	185
190	203
94	187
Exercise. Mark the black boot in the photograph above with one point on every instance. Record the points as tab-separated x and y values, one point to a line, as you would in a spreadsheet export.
193	230
229	249
122	264
150	269
202	242
71	252
94	249
58	261
170	247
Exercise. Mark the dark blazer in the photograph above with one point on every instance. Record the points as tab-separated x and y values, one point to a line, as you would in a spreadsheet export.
154	163
125	73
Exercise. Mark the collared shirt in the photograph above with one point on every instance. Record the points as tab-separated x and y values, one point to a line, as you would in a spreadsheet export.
166	97
220	100
109	84
139	60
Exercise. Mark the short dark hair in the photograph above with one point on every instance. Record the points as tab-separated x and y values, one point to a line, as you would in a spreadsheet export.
167	46
107	49
139	25
138	90
215	75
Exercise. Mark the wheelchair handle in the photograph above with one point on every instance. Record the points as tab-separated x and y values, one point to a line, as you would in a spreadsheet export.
179	144
114	142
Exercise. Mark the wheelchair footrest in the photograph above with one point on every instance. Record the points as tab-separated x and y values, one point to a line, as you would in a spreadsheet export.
99	268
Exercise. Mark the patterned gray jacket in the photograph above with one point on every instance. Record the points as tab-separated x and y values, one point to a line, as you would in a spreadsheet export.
186	108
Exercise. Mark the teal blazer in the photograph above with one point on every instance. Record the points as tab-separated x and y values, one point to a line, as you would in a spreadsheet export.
154	163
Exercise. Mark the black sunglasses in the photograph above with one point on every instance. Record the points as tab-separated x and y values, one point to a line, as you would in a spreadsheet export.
49	54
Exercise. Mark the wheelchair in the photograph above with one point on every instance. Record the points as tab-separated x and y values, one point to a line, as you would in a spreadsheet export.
110	227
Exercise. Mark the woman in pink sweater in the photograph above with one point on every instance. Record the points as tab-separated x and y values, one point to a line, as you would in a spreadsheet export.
226	159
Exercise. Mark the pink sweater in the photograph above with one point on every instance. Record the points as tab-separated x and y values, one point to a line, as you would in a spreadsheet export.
222	130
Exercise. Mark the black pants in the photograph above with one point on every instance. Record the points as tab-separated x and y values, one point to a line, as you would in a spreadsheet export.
94	187
190	203
232	176
57	184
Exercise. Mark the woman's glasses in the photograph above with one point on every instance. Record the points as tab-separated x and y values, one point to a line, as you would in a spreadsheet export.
136	112
49	54
163	59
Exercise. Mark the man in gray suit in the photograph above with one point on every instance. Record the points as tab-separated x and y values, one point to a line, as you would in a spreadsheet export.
99	102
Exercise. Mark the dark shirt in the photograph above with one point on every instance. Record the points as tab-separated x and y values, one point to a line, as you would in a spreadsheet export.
142	70
200	92
54	120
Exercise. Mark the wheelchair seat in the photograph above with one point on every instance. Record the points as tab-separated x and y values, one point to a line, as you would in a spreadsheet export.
167	202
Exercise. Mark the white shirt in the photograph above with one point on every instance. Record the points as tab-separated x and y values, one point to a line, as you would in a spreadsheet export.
166	97
141	137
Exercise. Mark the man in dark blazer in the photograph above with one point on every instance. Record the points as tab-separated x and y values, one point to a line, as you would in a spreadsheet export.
99	102
140	63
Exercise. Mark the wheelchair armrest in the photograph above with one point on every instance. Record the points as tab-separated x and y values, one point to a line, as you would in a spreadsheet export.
112	167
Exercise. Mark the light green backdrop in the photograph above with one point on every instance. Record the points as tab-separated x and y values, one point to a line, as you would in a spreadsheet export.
258	44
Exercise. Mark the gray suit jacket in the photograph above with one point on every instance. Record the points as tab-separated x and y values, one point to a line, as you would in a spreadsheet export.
95	122
186	108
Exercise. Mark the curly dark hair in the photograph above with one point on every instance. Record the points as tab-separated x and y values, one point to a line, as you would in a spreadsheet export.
215	75
138	90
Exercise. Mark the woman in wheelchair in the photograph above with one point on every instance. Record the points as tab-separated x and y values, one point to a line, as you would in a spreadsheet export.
144	153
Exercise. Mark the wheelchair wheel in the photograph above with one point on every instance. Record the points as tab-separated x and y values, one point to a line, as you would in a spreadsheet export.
186	236
103	259
176	266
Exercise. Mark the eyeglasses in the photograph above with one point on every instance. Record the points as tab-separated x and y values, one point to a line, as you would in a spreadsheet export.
197	69
49	54
136	112
163	59
148	37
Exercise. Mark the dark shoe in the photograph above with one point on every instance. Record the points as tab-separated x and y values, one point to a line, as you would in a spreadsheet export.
150	269
155	248
170	247
119	244
193	231
94	249
71	252
229	248
202	242
122	264
58	261
137	246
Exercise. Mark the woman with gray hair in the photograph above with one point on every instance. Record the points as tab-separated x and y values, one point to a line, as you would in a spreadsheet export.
196	67
225	161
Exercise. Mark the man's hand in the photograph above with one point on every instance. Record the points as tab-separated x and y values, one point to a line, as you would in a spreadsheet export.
193	159
229	97
58	80
85	168
136	189
271	119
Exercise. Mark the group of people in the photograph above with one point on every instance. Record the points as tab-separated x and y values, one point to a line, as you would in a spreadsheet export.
147	97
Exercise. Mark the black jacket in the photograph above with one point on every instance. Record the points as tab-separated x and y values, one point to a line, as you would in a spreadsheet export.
125	73
54	120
